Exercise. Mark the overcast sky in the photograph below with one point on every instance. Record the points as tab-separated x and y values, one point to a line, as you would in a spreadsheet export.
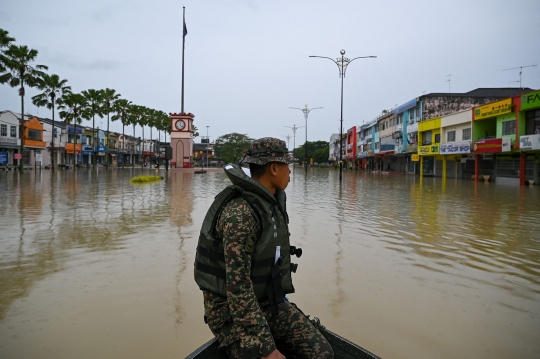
247	62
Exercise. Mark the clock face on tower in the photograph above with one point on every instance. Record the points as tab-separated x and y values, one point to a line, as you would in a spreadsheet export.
180	125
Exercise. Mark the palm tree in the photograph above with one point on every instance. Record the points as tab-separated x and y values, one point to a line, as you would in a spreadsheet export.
94	99
109	96
52	86
5	42
122	107
17	71
143	121
74	108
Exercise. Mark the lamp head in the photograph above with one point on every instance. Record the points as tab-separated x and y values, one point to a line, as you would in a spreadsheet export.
342	52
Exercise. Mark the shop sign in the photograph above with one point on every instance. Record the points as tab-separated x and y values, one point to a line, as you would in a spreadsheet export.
8	140
530	100
493	109
529	142
17	156
38	157
492	145
3	158
455	148
415	158
362	154
428	150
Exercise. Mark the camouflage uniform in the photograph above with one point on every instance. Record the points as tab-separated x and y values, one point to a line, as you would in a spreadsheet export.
245	327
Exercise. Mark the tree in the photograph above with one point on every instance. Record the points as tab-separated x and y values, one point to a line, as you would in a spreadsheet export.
232	147
74	108
52	87
317	150
5	42
94	98
16	70
109	96
122	107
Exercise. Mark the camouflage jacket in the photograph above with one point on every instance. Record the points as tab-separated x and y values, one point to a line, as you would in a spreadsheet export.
239	316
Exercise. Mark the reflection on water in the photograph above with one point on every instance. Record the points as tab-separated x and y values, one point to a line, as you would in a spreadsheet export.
93	266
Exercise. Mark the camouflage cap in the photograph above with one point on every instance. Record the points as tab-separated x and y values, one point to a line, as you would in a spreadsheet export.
267	149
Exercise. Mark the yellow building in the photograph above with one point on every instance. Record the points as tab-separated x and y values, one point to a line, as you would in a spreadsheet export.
429	138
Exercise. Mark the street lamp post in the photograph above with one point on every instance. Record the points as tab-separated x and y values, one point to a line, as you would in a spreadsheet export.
294	128
207	145
342	63
306	112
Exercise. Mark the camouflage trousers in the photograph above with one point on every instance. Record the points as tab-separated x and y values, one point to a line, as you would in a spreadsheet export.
294	334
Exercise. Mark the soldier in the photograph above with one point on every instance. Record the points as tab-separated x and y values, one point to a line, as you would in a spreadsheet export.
243	264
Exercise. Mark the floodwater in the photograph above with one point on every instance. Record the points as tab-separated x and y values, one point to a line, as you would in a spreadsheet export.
92	266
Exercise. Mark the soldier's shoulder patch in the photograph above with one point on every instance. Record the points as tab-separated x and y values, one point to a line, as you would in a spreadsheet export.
250	243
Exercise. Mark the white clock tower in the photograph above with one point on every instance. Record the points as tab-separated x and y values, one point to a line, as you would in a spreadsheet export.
182	139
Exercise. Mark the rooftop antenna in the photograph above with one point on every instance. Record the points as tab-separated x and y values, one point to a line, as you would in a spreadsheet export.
449	78
520	71
509	82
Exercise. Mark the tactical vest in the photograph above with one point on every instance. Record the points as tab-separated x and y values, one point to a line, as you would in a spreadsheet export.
271	279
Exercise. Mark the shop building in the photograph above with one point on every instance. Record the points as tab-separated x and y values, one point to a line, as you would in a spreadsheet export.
10	143
529	136
351	147
455	146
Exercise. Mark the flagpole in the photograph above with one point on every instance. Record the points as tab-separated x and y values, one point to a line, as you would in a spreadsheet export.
183	47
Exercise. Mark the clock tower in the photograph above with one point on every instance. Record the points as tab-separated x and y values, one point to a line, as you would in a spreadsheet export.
182	139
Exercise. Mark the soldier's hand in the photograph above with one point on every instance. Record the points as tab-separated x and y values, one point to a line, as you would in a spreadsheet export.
274	355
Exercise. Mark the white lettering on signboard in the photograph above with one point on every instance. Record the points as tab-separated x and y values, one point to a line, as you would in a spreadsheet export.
455	148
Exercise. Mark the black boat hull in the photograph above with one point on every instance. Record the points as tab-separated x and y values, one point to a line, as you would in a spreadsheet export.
343	349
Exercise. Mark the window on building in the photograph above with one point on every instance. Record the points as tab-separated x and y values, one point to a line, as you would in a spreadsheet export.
438	138
426	138
13	131
3	130
376	145
509	128
34	135
451	136
532	123
466	135
412	113
399	119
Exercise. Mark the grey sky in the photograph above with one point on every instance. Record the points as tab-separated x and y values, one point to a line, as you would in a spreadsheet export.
246	62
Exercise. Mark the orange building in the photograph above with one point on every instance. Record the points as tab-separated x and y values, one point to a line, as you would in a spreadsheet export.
33	141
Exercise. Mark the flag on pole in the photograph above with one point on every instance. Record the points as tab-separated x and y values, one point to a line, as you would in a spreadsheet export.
185	28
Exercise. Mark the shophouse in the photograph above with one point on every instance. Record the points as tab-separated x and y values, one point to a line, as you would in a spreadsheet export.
435	105
72	138
385	158
10	143
497	130
113	147
99	146
87	154
59	145
455	148
350	143
33	142
333	152
366	152
496	143
361	151
429	135
529	140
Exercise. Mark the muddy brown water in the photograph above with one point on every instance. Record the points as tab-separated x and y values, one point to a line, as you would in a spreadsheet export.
92	266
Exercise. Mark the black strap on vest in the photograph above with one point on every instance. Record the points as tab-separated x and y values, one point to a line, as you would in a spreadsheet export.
274	289
210	270
217	256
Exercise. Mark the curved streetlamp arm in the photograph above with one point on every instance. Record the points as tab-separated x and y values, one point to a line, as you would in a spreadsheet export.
334	61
